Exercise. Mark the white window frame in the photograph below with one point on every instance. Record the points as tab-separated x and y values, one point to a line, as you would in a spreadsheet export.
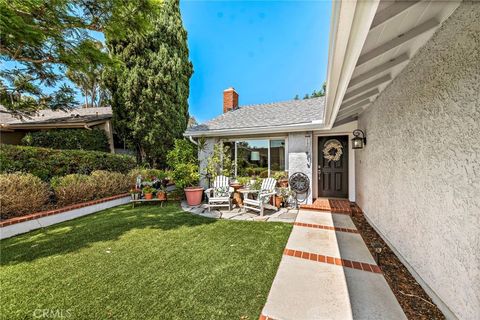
269	139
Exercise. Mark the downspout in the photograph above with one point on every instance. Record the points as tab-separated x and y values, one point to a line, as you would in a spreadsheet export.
192	141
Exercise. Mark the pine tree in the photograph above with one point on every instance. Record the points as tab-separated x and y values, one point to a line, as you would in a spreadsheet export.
151	87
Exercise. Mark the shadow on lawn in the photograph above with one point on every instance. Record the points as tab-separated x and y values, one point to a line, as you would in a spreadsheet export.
107	225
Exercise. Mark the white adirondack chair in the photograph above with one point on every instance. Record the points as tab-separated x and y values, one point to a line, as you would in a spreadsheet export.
265	193
220	194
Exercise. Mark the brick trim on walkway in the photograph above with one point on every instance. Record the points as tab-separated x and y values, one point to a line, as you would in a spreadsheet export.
329	205
41	214
332	260
324	227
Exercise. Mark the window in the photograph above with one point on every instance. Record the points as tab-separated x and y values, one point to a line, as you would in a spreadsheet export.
258	157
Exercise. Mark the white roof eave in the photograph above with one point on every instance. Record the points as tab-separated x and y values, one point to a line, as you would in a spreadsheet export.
314	125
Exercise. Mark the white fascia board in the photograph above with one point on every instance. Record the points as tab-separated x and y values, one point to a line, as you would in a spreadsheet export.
314	125
351	21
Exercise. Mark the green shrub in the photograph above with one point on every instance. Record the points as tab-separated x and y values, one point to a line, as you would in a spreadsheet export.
186	175
182	159
82	139
109	183
21	193
264	174
134	173
73	188
183	152
46	163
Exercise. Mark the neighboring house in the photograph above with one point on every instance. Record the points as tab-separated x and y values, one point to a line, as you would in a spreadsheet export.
408	75
13	129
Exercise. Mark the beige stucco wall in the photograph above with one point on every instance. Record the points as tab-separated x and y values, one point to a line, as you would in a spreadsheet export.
418	179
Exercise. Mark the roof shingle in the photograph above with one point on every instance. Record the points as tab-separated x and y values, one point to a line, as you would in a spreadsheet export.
266	115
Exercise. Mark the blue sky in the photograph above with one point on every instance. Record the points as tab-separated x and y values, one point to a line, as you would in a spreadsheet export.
268	51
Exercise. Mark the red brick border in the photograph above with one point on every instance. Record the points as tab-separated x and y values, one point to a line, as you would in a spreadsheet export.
332	260
321	226
42	214
329	205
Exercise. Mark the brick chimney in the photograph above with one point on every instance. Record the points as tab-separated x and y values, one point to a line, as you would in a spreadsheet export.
230	100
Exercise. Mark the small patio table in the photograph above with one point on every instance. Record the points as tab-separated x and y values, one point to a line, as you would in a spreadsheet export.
237	195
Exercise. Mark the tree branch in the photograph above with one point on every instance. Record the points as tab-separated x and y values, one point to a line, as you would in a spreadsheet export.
15	56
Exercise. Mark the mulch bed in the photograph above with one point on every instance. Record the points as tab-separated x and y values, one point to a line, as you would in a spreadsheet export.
414	301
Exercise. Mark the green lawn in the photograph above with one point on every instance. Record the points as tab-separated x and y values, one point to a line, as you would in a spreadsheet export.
142	263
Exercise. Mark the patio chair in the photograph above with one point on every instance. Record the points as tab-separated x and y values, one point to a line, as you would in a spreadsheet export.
264	195
220	194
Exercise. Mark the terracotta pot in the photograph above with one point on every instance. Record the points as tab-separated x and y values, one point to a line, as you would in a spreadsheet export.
283	183
148	196
278	201
161	195
193	195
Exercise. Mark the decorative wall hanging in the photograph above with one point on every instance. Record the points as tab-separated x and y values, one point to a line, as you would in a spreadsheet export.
332	150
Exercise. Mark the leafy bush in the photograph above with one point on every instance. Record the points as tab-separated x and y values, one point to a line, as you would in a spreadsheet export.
183	152
264	174
109	183
47	163
95	139
21	193
134	173
73	188
186	175
220	162
278	175
183	161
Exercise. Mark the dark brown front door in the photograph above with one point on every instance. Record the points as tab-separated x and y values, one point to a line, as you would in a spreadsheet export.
333	172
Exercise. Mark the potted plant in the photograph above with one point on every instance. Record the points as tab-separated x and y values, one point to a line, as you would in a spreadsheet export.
282	178
162	192
186	176
135	193
182	159
243	181
281	196
148	192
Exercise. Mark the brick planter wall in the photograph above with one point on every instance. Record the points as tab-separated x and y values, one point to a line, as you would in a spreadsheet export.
18	225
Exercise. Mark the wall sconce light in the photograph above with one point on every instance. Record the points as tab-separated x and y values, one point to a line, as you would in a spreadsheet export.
377	246
359	139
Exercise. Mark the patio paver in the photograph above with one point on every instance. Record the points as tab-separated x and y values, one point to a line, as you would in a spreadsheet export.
321	277
286	215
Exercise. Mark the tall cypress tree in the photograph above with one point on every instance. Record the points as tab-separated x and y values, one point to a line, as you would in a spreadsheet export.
150	87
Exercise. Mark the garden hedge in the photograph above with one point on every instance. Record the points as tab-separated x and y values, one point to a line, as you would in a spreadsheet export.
46	163
80	139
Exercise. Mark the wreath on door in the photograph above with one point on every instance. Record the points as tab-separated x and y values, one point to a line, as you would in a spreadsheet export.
332	150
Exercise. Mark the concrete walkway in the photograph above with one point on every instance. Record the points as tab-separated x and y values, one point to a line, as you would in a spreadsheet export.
327	272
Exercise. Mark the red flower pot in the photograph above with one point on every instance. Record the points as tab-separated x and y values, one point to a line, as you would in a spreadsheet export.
283	183
161	195
278	201
148	196
193	195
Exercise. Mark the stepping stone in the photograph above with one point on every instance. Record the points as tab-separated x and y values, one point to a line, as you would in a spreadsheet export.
371	297
212	214
348	246
304	289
